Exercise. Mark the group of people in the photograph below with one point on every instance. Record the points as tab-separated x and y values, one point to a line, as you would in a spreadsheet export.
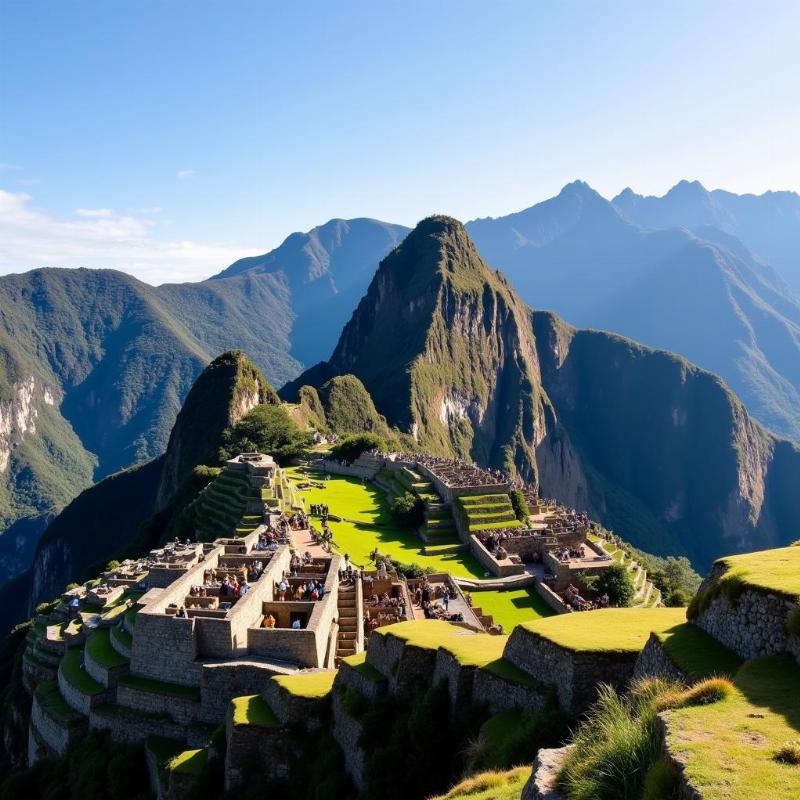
323	538
319	510
308	590
300	560
574	601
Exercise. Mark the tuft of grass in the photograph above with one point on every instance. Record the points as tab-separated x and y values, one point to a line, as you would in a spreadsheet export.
710	690
491	785
789	753
617	743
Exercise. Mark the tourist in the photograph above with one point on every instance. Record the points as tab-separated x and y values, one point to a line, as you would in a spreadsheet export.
181	612
268	622
296	625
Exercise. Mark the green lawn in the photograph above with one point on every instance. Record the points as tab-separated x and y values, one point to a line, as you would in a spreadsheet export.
608	630
366	503
729	747
99	648
253	710
189	762
469	649
772	570
698	654
358	662
311	685
511	607
75	675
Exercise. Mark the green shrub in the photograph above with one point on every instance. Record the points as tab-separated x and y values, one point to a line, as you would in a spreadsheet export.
113	564
519	504
351	447
408	510
265	429
615	581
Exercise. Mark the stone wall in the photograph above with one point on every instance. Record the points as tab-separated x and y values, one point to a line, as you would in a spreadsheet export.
103	675
753	624
82	703
406	667
220	683
55	734
351	678
575	675
499	694
254	754
500	568
128	726
653	662
181	710
347	731
550	597
164	648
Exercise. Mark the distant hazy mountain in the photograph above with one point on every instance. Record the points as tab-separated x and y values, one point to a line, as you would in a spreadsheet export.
768	224
658	449
698	293
326	271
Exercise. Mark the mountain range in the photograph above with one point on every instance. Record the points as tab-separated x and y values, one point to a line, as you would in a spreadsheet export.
94	365
651	445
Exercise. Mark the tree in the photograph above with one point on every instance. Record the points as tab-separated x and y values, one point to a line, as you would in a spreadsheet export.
265	429
615	581
408	510
351	447
520	506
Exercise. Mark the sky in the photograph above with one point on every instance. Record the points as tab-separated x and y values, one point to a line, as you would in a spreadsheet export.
170	138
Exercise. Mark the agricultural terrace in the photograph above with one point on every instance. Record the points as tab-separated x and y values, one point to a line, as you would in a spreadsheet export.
768	570
607	630
368	523
743	758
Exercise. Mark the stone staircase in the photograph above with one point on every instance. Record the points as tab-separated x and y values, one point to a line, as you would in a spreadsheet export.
487	620
348	622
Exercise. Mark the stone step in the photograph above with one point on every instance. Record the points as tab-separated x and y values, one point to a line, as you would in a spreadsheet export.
348	601
346	636
345	650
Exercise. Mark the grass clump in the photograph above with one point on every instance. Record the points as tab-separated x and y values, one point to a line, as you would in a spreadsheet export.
710	690
789	753
616	744
491	785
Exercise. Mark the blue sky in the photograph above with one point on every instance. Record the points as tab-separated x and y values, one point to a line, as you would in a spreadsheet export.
169	138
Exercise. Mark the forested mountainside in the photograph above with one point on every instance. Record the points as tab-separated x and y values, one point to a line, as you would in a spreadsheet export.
102	522
700	293
94	365
768	224
654	447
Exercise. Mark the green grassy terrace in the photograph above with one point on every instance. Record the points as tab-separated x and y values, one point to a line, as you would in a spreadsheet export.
99	649
469	649
510	607
76	675
769	570
309	685
749	728
609	630
253	710
696	653
53	704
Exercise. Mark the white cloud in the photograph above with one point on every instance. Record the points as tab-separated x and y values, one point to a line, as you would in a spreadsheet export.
101	238
106	213
186	173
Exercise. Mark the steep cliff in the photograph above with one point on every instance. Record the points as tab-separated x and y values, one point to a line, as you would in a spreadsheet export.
444	347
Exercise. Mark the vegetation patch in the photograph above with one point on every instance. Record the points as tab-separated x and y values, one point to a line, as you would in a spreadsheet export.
310	685
490	785
729	748
99	649
358	662
189	762
253	710
620	630
53	703
75	674
469	649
